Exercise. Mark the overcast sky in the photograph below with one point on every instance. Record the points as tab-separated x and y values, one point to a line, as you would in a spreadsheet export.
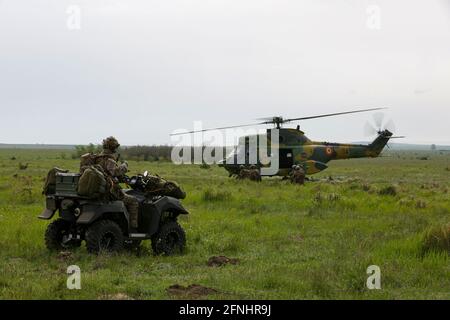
141	69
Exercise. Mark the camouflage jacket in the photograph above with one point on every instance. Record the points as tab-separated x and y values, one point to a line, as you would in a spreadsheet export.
298	175
115	172
109	164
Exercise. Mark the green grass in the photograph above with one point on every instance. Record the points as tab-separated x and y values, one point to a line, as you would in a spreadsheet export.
293	242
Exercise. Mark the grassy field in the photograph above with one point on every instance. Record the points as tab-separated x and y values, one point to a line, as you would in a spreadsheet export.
293	242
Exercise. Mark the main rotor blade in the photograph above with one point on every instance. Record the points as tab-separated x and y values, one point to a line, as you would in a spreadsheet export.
332	114
219	128
265	118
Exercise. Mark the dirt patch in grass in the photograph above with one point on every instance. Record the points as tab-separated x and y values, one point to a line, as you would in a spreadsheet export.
218	261
193	291
116	296
297	238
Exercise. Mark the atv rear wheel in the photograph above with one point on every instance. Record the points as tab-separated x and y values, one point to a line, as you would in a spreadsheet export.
104	236
57	236
169	240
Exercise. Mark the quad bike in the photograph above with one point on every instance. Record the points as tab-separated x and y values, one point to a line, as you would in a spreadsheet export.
105	225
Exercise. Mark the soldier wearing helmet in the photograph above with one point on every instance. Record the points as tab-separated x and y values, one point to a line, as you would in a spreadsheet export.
110	144
243	172
251	173
297	174
254	173
108	160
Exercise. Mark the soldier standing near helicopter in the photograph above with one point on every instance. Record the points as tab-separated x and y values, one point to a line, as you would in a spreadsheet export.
243	173
251	173
254	173
297	174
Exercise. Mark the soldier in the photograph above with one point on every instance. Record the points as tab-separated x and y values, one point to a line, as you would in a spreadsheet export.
108	161
243	173
254	174
298	174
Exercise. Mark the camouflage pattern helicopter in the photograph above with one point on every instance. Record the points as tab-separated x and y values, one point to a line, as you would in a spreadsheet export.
295	148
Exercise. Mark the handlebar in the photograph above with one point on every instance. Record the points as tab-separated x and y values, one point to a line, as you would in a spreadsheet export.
136	182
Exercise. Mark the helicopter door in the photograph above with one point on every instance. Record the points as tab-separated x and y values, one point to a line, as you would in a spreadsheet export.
286	158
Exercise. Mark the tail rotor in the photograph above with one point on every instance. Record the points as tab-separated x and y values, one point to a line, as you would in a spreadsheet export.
379	125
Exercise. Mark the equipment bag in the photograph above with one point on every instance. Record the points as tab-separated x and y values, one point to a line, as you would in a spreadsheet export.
50	181
92	183
157	186
87	160
172	189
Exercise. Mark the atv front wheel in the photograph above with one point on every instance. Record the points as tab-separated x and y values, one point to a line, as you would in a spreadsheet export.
104	235
170	239
57	236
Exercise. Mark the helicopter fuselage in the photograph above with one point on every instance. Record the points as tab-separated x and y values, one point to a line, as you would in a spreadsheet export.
295	148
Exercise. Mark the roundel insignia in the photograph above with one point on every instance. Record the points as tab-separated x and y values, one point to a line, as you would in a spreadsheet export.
328	150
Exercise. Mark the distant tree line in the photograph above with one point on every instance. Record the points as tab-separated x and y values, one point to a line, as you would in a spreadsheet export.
156	153
90	148
138	153
146	153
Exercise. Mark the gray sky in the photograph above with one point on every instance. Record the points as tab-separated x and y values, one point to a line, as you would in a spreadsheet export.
141	69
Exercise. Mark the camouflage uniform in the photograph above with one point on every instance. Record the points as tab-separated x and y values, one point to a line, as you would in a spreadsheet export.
298	174
251	174
243	173
254	173
115	172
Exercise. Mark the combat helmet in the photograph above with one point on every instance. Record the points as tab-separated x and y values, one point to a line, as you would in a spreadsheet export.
111	144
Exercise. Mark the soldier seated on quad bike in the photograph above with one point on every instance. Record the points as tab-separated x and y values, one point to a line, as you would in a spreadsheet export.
106	165
115	173
92	207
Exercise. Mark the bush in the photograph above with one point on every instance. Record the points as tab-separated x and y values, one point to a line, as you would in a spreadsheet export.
388	191
205	166
90	148
437	239
147	153
216	195
23	190
421	204
326	199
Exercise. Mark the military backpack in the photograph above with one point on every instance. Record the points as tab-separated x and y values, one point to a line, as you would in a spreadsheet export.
92	183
